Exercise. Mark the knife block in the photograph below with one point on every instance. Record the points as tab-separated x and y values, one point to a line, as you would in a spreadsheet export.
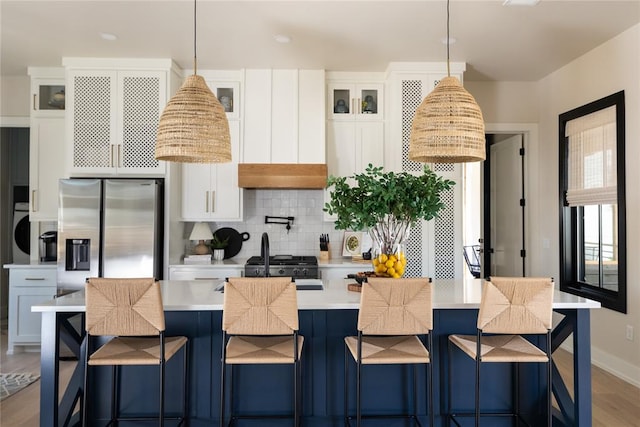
324	255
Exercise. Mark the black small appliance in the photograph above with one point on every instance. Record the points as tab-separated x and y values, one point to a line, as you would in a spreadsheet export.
49	246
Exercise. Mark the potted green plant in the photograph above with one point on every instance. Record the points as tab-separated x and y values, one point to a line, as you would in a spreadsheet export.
386	204
218	245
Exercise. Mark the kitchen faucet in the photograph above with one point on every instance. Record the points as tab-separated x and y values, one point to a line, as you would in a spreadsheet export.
264	253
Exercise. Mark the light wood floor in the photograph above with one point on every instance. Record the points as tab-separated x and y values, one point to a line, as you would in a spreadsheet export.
615	402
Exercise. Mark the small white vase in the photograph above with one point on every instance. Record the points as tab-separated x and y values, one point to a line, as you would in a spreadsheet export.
218	254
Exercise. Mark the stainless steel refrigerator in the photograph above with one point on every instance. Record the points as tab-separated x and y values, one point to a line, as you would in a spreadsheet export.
109	228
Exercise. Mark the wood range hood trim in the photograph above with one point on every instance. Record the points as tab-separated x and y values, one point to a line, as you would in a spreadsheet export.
282	175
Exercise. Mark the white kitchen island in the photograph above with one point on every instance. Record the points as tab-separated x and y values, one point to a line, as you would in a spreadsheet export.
193	308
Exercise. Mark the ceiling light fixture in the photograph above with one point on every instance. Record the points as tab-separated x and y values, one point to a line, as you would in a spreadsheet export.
448	126
282	38
108	36
520	2
193	127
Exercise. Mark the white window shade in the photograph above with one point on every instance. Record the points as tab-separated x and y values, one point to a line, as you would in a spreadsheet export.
592	159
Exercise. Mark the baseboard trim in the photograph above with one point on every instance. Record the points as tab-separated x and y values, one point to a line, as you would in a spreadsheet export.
612	364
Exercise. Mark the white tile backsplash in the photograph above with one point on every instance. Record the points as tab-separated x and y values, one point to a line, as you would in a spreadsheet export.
303	238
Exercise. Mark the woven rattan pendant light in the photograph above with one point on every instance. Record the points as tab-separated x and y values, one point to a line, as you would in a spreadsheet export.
448	126
193	127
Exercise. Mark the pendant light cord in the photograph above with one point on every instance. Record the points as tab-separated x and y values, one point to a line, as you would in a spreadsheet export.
195	23
448	42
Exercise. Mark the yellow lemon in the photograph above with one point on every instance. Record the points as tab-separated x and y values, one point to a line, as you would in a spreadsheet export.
396	276
382	258
393	258
391	271
398	265
380	268
375	262
389	264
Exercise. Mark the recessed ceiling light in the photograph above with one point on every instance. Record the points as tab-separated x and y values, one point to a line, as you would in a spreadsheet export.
282	38
520	2
449	41
108	36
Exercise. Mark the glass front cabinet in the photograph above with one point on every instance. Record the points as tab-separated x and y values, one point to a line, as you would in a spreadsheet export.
228	93
355	101
47	92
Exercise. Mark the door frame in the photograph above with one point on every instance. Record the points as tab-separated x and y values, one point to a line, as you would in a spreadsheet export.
6	224
529	132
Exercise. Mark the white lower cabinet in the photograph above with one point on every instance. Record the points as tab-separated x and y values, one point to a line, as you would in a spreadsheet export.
210	191
204	272
27	287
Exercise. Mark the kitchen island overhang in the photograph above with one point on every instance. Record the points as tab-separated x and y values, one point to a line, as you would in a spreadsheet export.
194	309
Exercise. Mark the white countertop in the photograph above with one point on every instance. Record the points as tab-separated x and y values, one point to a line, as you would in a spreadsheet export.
201	295
240	262
345	262
52	265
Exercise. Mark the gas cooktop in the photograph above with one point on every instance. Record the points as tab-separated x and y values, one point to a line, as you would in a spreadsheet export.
284	260
298	267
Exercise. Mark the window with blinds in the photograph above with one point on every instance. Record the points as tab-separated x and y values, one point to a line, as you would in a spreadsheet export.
593	257
592	158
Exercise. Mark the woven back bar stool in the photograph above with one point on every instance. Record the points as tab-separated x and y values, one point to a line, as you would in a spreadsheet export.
510	308
260	326
394	320
131	312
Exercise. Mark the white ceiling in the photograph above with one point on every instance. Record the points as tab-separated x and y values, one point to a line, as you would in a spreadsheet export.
516	43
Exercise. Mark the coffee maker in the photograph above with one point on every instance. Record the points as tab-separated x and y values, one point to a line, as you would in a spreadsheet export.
49	246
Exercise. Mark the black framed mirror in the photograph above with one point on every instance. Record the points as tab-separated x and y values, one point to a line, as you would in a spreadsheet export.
593	261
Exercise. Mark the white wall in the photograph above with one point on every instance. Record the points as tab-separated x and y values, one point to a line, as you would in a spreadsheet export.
506	102
611	67
14	96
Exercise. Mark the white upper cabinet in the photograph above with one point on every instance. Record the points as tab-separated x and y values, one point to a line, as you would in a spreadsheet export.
210	191
355	125
46	141
355	101
407	86
47	92
228	93
284	116
113	115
